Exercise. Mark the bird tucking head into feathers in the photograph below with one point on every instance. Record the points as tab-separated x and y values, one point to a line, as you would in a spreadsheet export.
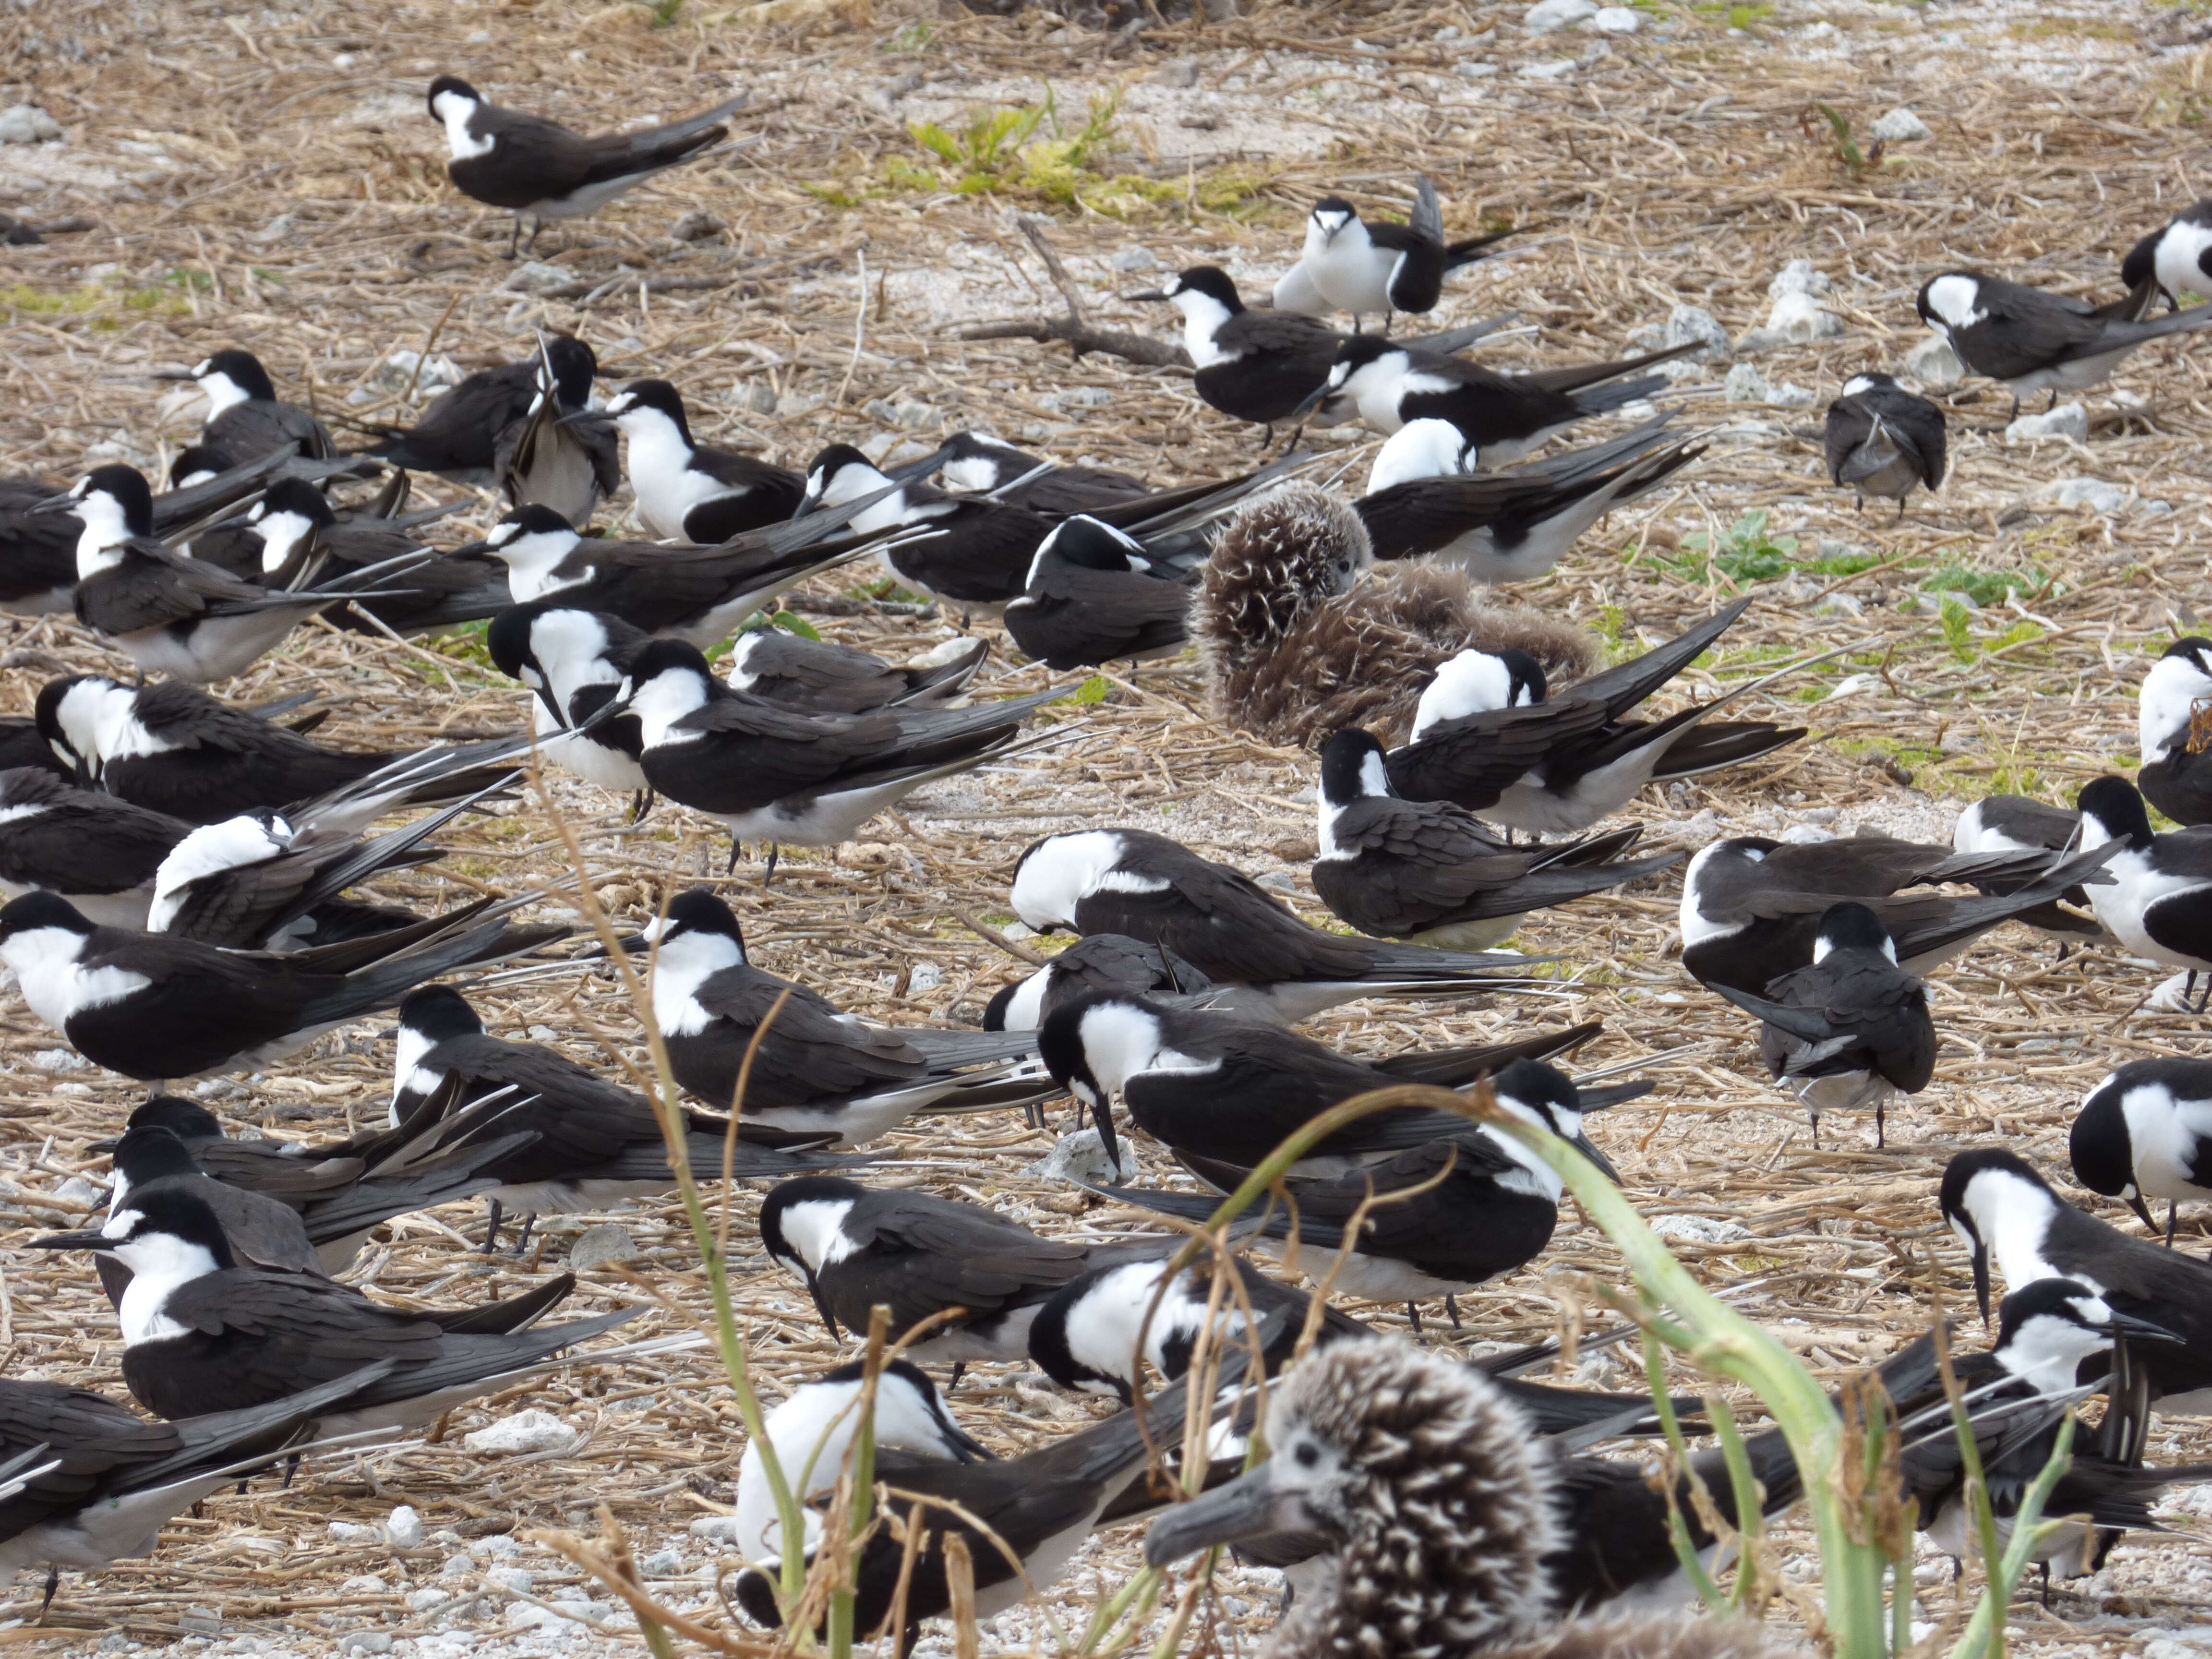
1298	639
1437	1504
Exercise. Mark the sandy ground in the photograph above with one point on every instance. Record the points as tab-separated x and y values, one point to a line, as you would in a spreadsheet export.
267	177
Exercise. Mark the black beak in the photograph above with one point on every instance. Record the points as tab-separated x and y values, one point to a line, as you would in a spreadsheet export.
586	418
1312	401
2135	1202
469	548
106	1146
81	1240
2144	1330
1981	1278
1101	1118
172	374
1588	1148
829	1319
1151	296
56	504
629	943
920	468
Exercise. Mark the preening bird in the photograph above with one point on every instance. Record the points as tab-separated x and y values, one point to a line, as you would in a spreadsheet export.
1377	267
2174	256
525	163
462	432
2175	699
1883	440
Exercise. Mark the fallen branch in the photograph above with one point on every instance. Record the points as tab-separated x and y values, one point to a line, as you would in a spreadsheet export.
1074	329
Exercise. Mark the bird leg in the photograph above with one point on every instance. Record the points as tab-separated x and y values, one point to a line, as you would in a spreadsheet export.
2047	408
1414	1314
291	1470
1880	1108
491	1230
639	804
1451	1308
1899	518
514	238
953	1382
537	225
522	1243
53	1584
2172	1210
775	852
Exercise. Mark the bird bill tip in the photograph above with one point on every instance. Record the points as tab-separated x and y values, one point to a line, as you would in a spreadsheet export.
77	1241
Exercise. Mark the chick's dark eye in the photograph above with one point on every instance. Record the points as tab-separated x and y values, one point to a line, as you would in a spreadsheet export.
1308	1455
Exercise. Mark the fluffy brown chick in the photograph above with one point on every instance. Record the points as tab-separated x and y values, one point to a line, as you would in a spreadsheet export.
1299	636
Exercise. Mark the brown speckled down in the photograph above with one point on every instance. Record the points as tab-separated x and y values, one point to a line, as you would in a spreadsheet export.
1299	636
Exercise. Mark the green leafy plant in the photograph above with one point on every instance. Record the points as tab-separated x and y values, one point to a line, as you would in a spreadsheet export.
1745	552
1985	587
1957	630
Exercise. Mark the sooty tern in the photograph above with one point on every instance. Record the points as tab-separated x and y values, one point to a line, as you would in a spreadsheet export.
1377	268
977	463
461	432
2159	899
244	416
1093	597
298	530
1151	889
2176	777
686	490
2174	256
1883	440
525	163
1096	961
2029	340
2146	1131
1428	872
97	851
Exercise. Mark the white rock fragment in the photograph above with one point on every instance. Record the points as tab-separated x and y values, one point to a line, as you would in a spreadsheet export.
1551	69
1799	276
1746	385
403	1529
2095	493
1806	833
58	1060
1935	365
1080	1158
402	369
1549	16
526	1431
716	1528
27	124
1694	325
1900	126
2067	421
1616	19
1698	1229
1136	256
596	1246
535	277
1800	319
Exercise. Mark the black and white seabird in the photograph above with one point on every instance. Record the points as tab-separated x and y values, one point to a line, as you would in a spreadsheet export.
835	679
300	531
2031	341
808	1066
461	432
2016	824
2174	256
595	1143
100	1481
1884	440
172	749
918	1254
1154	890
97	851
2159	900
1431	493
1264	367
977	464
263	1231
573	661
698	594
1428	872
1377	267
562	455
2146	1131
203	1334
1039	1507
1850	1029
972	551
2002	1209
1486	736
525	163
173	614
776	774
1390	384
1093	597
1216	1086
689	491
245	419
340	1189
2176	776
814	1426
1752	906
1087	1337
1096	961
151	1006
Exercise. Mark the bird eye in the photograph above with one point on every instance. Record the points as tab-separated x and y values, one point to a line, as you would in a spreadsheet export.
1307	1455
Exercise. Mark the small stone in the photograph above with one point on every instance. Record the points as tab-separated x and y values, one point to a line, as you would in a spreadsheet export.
201	1621
1800	319
58	1060
1900	126
878	445
423	1600
2067	421
1080	1157
362	1584
27	124
1958	740
403	1529
1019	930
759	398
1806	833
1789	395
907	449
1282	881
1183	72
1752	341
662	1564
1698	1229
1088	397
354	1532
1551	70
1616	19
696	226
926	976
401	369
1549	16
2095	493
1935	365
1838	605
508	1578
457	1566
1694	325
596	1246
532	1431
1136	256
1745	385
1473	69
718	1528
535	277
365	1641
1798	277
